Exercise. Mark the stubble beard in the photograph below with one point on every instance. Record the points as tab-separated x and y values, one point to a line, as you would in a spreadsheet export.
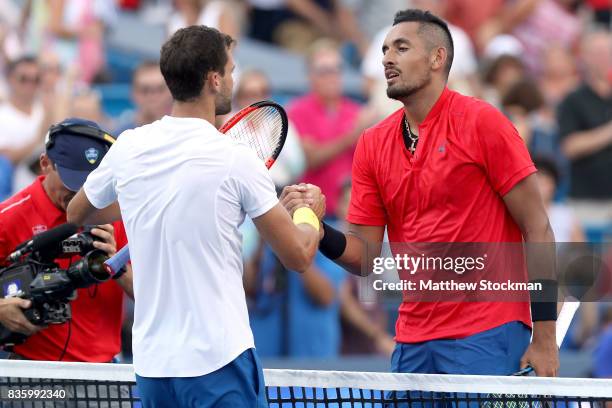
402	91
223	103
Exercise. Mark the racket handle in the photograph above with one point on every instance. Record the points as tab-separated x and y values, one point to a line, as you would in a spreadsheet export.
118	261
524	371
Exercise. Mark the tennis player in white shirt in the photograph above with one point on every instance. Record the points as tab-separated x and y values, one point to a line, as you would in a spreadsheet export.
184	189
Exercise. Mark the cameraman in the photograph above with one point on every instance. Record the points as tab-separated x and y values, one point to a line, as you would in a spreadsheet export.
74	148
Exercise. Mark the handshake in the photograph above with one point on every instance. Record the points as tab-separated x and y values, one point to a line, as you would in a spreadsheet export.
303	195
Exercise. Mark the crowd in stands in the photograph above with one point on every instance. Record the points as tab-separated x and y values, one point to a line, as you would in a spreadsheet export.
547	64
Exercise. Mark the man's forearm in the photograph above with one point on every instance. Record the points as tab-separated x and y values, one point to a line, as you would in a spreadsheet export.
80	211
319	154
125	281
581	144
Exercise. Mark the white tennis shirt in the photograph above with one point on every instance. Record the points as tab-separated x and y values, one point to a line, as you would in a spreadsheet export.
184	189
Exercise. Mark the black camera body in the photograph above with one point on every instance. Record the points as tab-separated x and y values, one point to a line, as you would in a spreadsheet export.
38	278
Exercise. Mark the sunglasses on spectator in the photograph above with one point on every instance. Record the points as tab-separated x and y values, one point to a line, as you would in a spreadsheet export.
327	69
151	89
25	79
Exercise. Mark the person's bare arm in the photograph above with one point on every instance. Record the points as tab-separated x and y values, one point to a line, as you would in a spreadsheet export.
229	20
580	144
80	211
12	317
527	209
363	242
56	20
126	283
318	154
353	313
349	25
313	13
318	286
295	245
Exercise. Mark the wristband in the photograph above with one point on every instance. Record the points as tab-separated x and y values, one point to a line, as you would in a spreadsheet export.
544	302
305	215
333	243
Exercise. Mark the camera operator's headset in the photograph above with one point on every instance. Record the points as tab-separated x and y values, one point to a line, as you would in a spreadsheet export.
78	129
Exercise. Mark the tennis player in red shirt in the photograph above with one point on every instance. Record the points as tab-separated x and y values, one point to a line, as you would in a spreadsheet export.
445	168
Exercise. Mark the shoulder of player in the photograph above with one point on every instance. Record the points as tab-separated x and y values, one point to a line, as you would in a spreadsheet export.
480	113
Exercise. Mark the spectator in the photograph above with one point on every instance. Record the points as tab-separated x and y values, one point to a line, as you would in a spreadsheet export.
361	20
475	17
535	23
328	123
602	11
363	324
585	122
10	45
253	86
602	356
499	75
73	29
295	315
293	24
86	104
559	75
22	115
219	14
150	95
6	178
562	219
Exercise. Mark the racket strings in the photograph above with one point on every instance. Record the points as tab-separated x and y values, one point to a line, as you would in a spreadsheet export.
261	130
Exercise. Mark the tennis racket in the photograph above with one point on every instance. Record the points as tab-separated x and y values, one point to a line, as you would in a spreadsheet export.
570	306
262	125
568	310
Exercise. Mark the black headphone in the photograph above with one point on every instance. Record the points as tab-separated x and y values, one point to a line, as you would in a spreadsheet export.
79	129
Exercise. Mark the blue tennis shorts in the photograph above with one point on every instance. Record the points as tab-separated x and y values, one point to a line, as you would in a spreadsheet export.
238	384
497	351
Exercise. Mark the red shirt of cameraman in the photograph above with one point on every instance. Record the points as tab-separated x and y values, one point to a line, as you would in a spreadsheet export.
97	312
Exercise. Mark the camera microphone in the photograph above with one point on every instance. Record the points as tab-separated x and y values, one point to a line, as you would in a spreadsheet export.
44	240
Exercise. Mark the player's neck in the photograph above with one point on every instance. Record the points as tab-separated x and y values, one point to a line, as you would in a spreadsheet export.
418	105
200	109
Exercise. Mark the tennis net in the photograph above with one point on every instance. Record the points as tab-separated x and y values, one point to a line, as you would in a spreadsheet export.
47	384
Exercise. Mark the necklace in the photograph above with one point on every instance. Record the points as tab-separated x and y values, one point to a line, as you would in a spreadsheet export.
413	138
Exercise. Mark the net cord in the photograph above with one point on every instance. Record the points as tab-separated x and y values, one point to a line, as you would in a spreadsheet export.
575	387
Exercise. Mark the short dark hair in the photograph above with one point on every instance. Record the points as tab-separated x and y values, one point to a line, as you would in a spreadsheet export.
429	24
189	55
26	59
524	93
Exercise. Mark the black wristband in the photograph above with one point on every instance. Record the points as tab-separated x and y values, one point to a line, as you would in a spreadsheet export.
333	243
544	301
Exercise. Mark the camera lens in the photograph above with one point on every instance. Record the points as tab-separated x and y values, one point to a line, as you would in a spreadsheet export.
89	269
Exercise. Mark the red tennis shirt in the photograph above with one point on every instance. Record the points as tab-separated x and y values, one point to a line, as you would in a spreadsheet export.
97	312
468	157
